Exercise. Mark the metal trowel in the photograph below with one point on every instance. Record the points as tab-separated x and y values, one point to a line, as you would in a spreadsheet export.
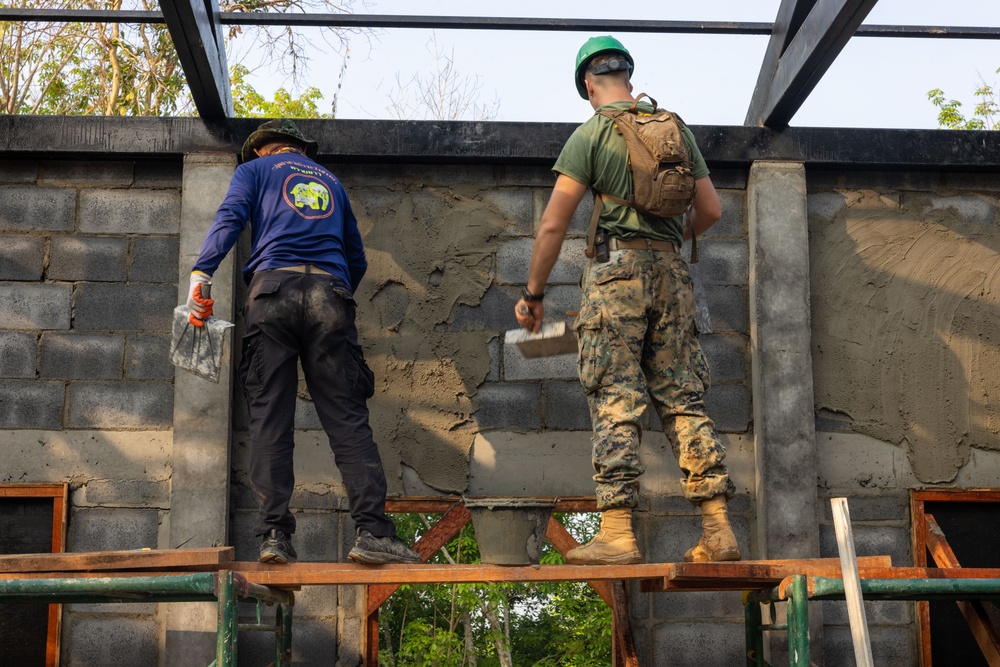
198	350
552	339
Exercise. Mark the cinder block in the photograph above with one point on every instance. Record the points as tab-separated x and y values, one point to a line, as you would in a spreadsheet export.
17	354
825	206
121	405
145	307
726	355
691	644
31	404
306	417
978	209
130	211
729	179
566	407
26	306
733	223
723	262
963	180
495	311
18	170
113	529
729	407
98	258
578	224
112	640
154	259
890	646
516	367
526	177
556	463
119	492
727	307
75	356
870	540
721	604
886	506
877	612
508	405
494	350
147	357
316	537
21	257
106	173
514	258
448	175
32	208
150	174
514	207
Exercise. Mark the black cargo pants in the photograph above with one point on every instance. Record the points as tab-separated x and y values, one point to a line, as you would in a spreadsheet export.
308	317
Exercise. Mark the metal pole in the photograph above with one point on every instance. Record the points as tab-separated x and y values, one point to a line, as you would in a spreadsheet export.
798	622
228	619
752	621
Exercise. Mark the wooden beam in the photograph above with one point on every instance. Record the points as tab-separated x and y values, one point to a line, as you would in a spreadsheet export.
973	611
105	561
823	34
198	39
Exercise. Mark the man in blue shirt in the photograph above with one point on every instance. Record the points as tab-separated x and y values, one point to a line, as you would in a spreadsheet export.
306	262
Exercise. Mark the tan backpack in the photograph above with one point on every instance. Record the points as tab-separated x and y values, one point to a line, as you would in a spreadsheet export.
663	184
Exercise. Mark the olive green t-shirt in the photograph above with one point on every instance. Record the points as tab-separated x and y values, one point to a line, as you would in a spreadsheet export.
597	156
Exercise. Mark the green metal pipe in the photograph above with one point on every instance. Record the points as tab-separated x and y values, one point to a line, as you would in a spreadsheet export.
798	622
283	639
911	589
201	583
752	622
228	619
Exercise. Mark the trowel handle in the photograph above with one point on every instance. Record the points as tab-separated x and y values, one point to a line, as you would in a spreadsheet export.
206	290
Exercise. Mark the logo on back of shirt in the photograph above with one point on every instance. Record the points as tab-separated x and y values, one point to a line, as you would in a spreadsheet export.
309	197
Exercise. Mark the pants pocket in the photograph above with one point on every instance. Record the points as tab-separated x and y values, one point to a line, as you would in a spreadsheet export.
592	361
364	384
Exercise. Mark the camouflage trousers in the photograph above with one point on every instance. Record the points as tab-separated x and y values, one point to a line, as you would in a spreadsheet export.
638	345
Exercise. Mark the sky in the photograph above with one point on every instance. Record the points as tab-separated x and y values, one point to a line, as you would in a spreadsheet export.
707	79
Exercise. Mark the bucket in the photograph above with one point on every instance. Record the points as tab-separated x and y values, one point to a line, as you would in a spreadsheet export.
510	531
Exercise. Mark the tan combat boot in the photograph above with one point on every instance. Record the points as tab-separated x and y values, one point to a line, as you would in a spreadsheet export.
613	545
717	541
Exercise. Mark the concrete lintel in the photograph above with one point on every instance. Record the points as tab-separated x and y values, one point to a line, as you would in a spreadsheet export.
199	498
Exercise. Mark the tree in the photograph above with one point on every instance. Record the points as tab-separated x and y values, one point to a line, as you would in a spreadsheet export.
133	69
563	624
441	94
984	115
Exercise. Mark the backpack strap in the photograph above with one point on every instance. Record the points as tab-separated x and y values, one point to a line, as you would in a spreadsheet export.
590	251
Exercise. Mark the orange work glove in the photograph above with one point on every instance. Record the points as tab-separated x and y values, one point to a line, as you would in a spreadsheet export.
199	301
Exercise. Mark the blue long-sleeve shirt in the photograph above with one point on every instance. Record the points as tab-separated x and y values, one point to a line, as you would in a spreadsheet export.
298	213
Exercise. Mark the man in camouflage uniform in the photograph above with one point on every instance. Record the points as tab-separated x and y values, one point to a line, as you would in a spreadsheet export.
636	323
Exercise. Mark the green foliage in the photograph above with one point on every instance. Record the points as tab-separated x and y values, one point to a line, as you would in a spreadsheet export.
560	624
248	103
984	114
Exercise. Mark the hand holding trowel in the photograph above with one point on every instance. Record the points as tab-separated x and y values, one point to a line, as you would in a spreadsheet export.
198	336
552	338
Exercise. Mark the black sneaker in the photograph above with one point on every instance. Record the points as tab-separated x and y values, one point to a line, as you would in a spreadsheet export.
277	548
375	550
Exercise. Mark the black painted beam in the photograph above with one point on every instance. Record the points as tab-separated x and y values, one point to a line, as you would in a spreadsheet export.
430	142
197	34
484	23
791	14
816	44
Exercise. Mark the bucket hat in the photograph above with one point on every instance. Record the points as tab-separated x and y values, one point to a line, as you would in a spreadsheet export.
277	130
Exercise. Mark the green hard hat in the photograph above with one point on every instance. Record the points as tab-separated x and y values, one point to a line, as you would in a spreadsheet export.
595	46
277	130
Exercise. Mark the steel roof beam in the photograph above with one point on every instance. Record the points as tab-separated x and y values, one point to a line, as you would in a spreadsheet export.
809	50
484	23
197	34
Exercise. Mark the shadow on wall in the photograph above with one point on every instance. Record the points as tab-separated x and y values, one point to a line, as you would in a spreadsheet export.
906	321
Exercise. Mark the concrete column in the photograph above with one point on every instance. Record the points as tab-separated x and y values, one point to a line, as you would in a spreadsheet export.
784	424
199	490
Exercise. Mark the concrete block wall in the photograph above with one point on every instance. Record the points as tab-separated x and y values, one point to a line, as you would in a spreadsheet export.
88	274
